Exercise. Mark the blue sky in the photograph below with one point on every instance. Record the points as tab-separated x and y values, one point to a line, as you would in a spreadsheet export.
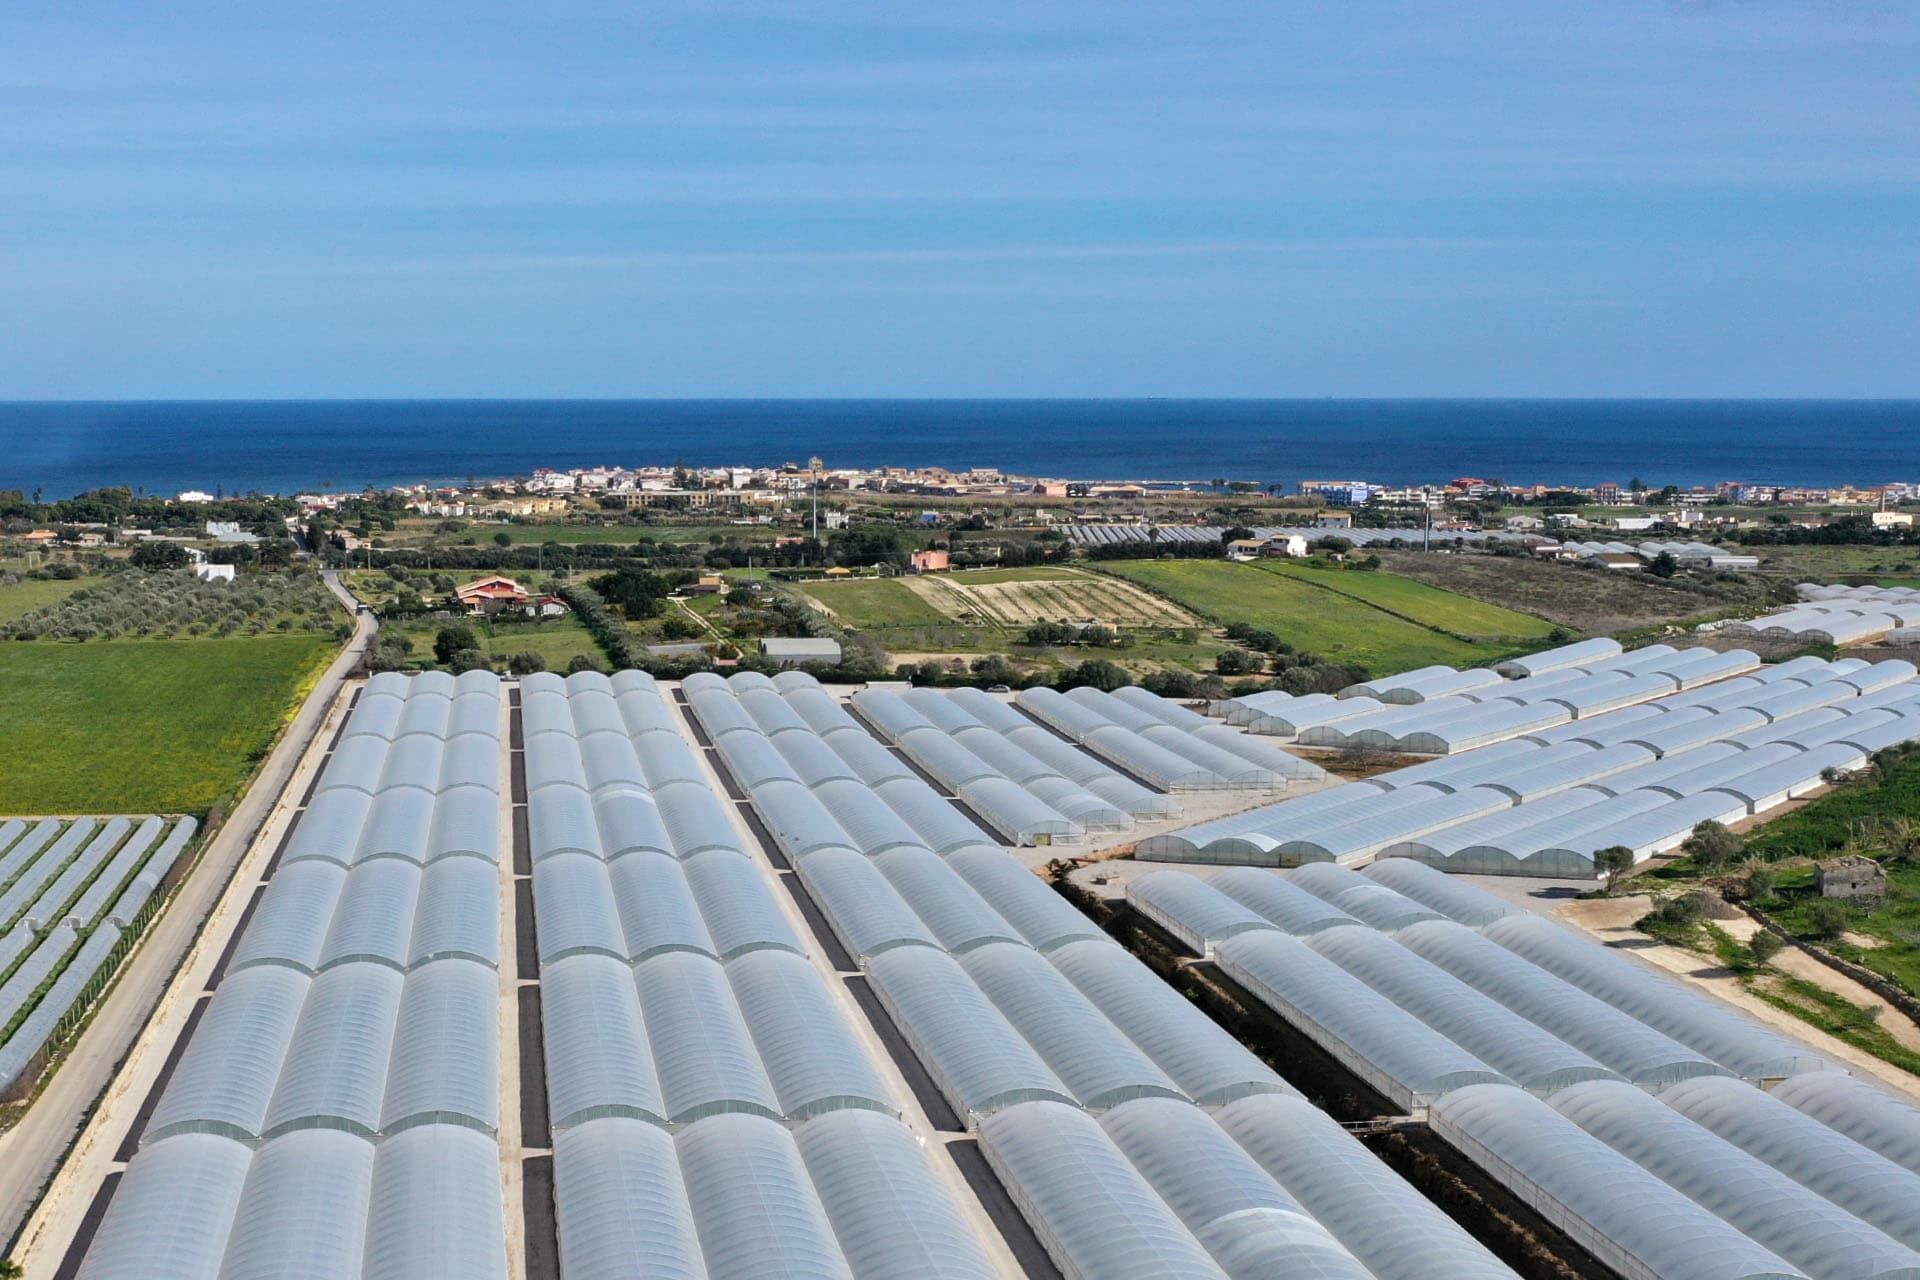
794	197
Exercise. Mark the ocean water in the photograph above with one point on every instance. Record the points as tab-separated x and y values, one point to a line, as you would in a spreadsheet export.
284	446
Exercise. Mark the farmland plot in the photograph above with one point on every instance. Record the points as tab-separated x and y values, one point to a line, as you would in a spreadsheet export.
1052	597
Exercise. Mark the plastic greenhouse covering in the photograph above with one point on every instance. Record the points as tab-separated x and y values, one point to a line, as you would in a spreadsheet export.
1400	1057
720	1025
351	1046
1237	1211
1864	1112
1346	1188
1005	993
1715	1030
1085	1050
1611	1036
1505	1041
1823	1159
1201	1058
1570	655
1095	1212
1626	1217
1806	1229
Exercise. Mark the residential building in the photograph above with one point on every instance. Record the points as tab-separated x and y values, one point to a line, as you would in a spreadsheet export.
491	595
933	561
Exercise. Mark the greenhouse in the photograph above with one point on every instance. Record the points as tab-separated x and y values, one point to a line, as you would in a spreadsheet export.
1577	655
352	1043
677	995
1010	998
1705	1025
1630	1220
1770	1208
1864	1112
1400	1057
1823	1159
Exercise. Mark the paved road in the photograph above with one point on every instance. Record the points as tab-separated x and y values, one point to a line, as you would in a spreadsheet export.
31	1152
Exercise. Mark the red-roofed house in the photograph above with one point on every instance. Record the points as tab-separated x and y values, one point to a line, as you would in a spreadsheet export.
491	595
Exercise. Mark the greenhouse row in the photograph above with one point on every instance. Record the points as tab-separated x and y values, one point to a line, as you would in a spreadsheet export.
1421	997
1163	744
1641	776
1585	679
416	775
715	1114
1708	1178
1079	1068
1835	622
1691	554
75	892
1095	535
1018	796
334	1111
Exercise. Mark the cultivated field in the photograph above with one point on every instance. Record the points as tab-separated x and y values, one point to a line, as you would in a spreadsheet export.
1337	625
17	599
1419	602
132	726
1019	597
1583	599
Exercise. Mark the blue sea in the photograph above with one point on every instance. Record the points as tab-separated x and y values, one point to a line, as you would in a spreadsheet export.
287	446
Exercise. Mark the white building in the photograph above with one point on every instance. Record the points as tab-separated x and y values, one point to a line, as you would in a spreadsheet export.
213	572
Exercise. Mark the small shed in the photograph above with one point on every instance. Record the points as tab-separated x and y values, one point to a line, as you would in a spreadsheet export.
1850	877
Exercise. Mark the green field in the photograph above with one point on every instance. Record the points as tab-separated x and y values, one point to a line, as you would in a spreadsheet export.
874	603
1309	616
28	594
143	726
558	640
1427	605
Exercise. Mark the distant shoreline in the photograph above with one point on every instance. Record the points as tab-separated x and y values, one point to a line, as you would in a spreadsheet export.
66	447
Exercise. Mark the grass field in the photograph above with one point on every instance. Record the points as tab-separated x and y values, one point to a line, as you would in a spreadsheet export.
142	726
1422	603
28	594
1826	564
1304	614
873	604
558	640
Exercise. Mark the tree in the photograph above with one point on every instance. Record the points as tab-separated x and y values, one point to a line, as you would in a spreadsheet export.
1663	565
1238	662
1612	861
469	660
452	640
993	669
1764	946
525	664
585	662
503	539
159	555
1760	882
1712	846
1096	673
638	592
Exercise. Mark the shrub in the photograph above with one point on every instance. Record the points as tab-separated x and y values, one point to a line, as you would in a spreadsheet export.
525	664
1712	846
469	660
1827	918
1764	946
